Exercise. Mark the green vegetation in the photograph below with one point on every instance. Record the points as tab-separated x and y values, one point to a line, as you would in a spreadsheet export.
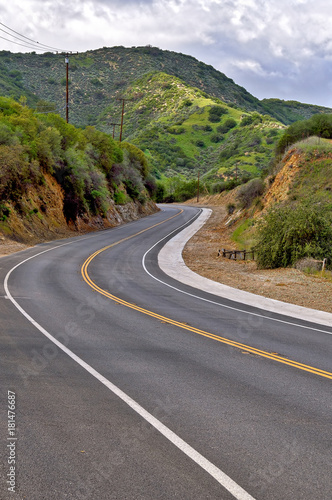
301	226
88	164
288	234
242	232
216	112
318	125
98	77
11	80
184	114
182	139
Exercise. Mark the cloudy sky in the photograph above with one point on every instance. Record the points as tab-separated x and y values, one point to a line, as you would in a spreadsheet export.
273	48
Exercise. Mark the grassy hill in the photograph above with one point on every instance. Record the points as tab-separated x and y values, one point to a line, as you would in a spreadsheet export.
99	76
169	100
184	130
304	176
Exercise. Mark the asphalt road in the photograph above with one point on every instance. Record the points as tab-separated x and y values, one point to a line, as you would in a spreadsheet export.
127	388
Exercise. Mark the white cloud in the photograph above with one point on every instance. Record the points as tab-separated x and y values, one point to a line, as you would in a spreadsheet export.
252	66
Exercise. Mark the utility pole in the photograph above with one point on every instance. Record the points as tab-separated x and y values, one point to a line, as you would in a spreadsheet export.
114	125
67	87
123	105
198	187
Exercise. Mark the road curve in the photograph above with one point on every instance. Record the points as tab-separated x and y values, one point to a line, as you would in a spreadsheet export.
129	384
171	262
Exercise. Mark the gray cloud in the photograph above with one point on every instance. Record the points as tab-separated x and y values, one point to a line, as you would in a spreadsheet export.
276	48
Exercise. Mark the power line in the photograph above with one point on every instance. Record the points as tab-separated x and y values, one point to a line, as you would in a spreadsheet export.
16	37
40	46
21	44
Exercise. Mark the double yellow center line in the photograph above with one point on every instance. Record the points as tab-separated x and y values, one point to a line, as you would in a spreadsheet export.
184	326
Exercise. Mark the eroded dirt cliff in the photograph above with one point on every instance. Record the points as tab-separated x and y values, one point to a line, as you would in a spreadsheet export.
39	217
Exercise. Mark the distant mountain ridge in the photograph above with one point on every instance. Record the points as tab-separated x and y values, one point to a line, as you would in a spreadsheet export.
98	76
168	100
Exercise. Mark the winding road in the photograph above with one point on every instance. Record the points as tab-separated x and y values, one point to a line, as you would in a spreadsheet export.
130	384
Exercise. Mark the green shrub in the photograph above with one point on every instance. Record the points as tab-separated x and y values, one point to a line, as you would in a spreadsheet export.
120	198
246	120
63	81
230	208
96	82
226	126
151	185
102	149
7	135
216	138
319	125
215	113
160	192
176	130
136	157
4	212
288	234
86	163
217	187
15	172
48	147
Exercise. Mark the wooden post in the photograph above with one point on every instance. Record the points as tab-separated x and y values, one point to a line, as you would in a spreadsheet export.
197	186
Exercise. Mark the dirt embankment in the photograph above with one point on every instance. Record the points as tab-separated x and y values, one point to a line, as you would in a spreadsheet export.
279	189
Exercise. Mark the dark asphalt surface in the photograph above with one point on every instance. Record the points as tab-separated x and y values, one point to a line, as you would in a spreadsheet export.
265	424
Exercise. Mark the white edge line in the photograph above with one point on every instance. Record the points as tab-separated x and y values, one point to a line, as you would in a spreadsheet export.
171	263
237	491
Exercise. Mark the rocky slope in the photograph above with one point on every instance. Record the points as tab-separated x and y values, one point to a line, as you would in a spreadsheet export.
41	217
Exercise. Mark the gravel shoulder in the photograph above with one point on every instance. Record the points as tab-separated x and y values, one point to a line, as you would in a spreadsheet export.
7	246
288	285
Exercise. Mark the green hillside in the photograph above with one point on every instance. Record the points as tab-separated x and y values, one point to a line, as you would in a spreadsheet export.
183	129
99	76
169	98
